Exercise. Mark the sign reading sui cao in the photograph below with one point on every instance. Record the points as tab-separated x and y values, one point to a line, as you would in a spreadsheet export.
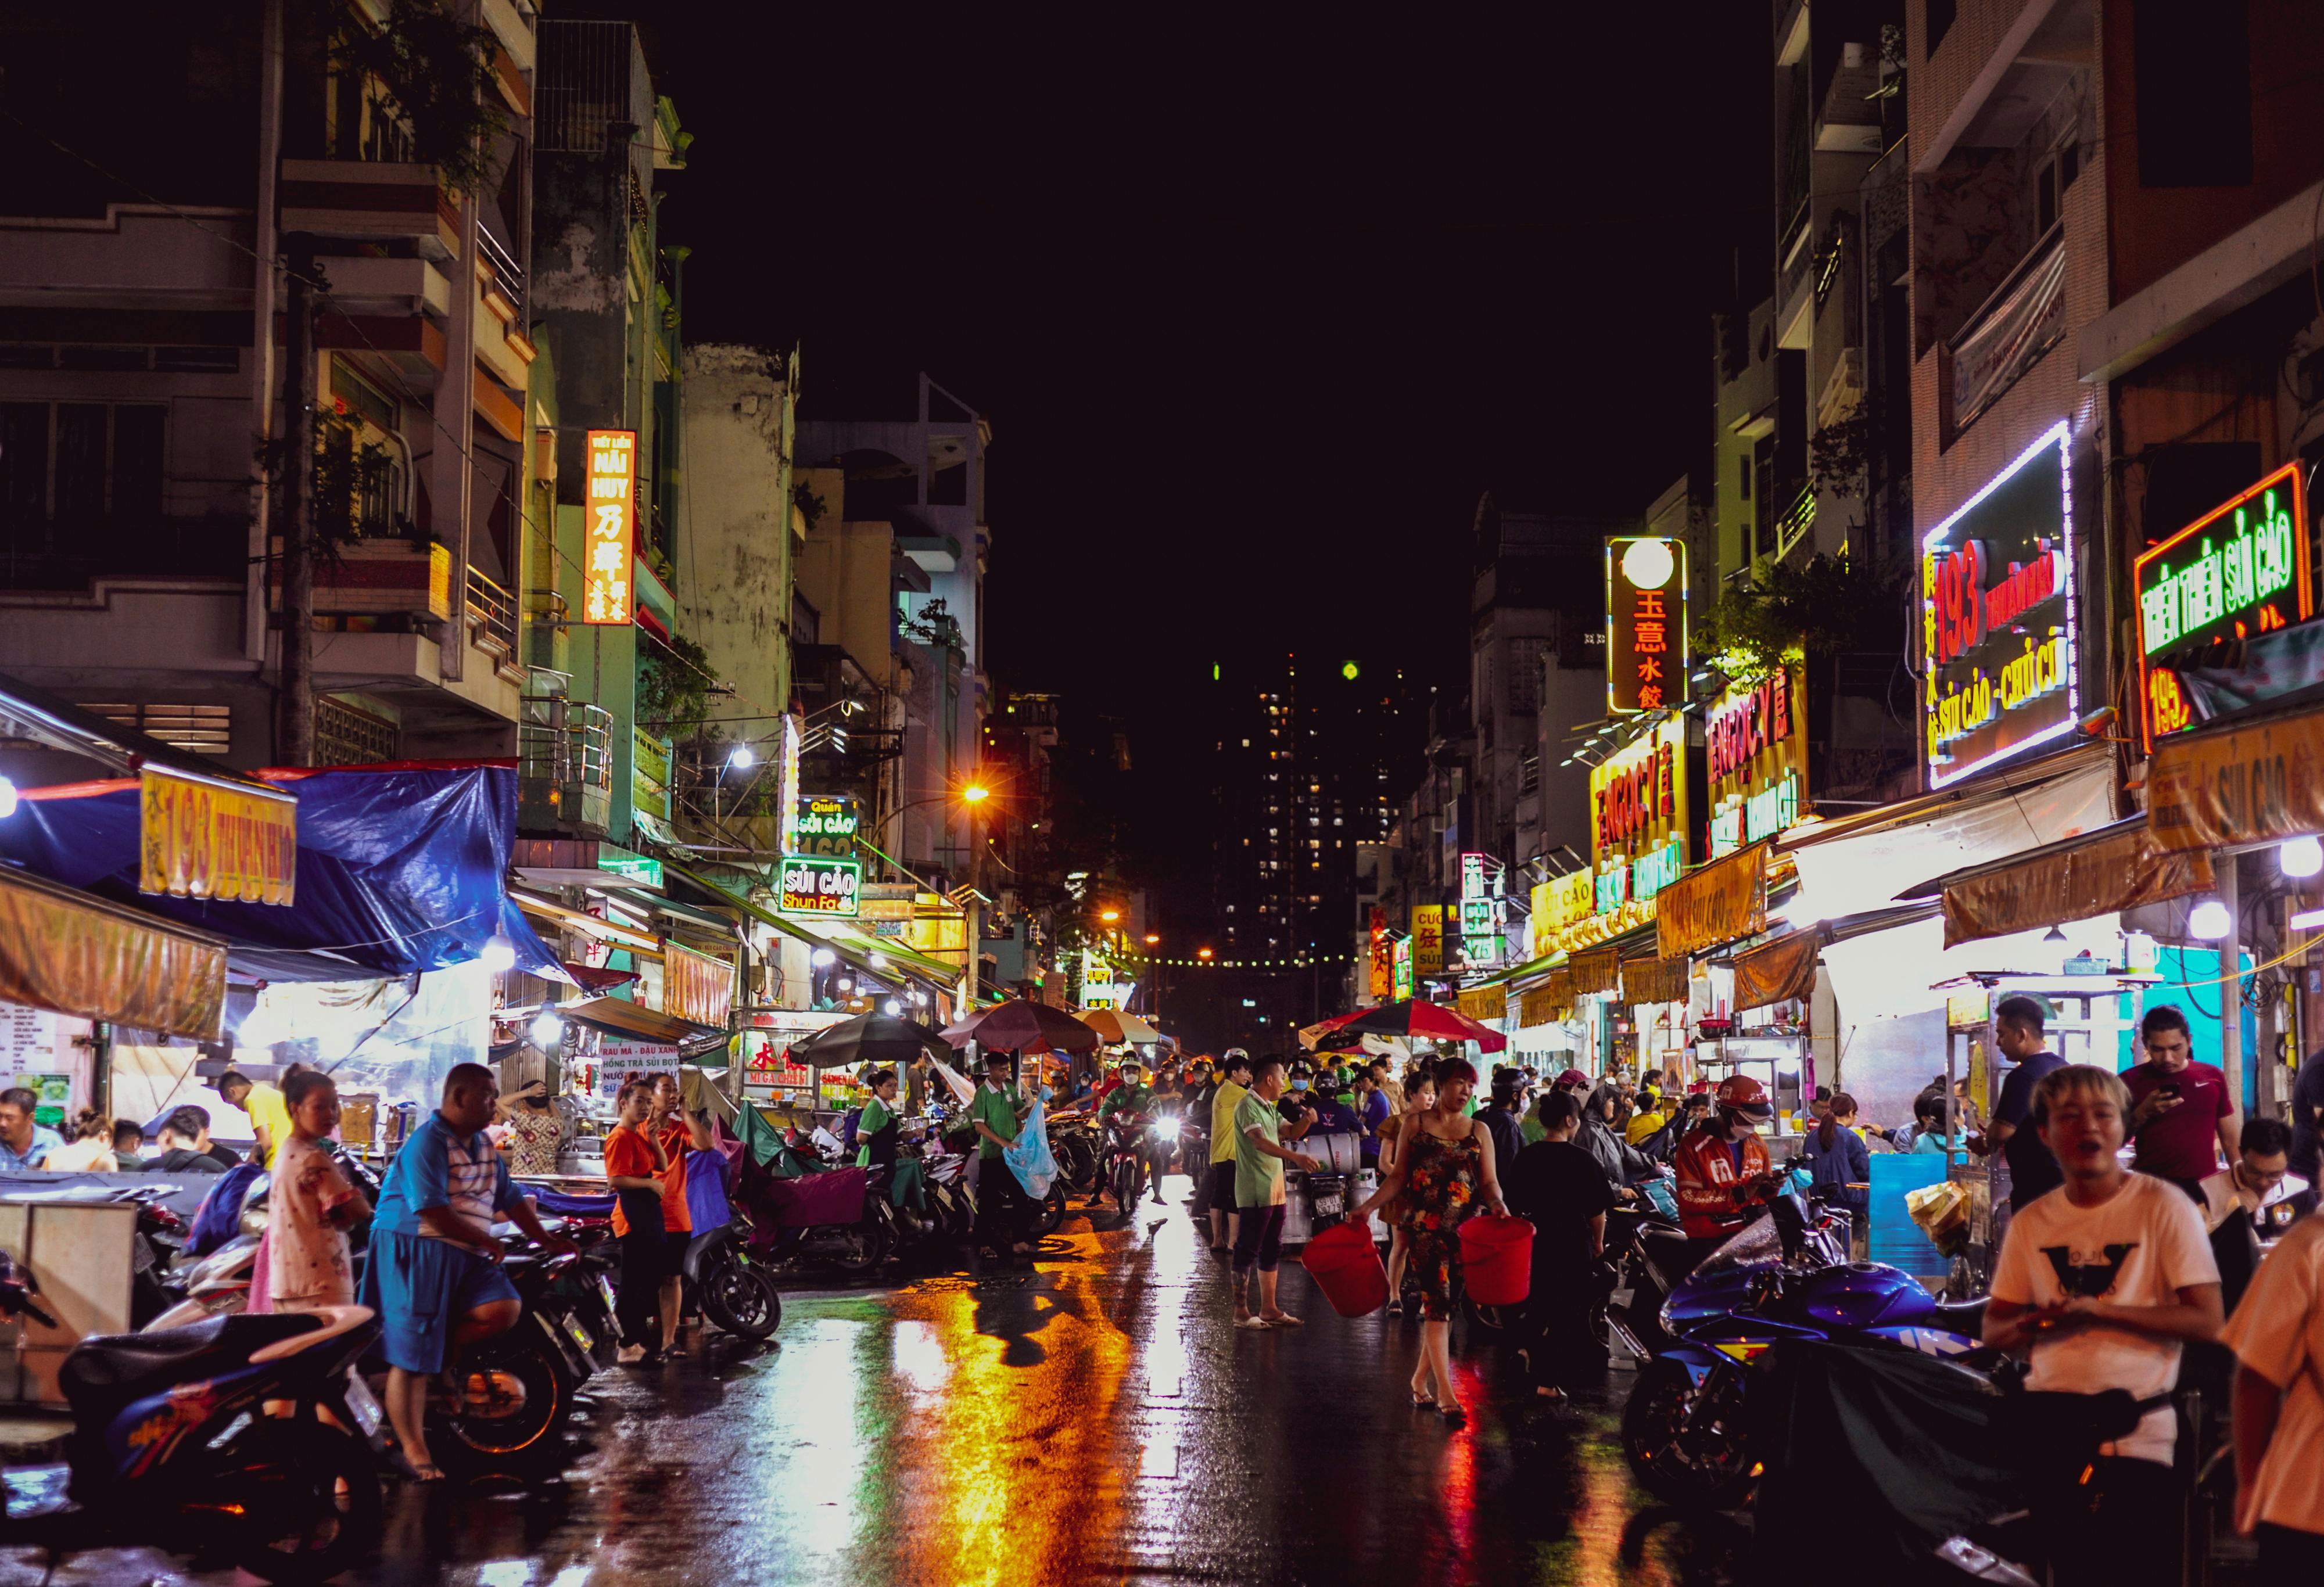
828	824
1998	619
2240	569
818	886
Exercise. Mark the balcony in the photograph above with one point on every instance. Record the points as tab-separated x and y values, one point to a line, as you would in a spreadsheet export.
374	578
371	201
1848	121
492	620
565	764
2011	330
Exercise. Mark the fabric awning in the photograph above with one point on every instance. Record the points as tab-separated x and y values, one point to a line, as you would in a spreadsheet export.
1776	971
1596	971
1548	1003
401	868
858	954
68	951
2115	868
1722	902
1654	981
1484	1004
618	1017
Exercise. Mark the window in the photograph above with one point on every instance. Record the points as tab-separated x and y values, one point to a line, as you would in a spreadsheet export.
1743	473
204	730
1525	676
2191	69
80	463
2055	174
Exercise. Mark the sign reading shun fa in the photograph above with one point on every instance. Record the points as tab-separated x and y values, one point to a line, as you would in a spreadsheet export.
1756	746
2238	570
812	886
605	527
1998	623
1645	624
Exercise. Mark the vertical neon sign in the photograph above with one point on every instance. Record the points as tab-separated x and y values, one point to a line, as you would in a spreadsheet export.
606	528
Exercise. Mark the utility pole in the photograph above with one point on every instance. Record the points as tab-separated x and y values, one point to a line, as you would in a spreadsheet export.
295	511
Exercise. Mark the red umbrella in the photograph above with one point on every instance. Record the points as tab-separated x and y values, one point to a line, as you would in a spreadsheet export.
1018	1024
1411	1018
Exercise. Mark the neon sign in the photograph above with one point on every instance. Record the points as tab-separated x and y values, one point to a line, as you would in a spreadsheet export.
1998	618
812	886
605	527
2240	569
1645	624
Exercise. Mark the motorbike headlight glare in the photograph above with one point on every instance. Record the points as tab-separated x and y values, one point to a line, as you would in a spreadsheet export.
1162	1129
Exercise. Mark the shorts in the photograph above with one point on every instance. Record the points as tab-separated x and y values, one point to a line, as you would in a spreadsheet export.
674	1253
1222	1177
421	1288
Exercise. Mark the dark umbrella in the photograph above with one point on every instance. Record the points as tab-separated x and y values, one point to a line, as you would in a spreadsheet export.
880	1039
1015	1025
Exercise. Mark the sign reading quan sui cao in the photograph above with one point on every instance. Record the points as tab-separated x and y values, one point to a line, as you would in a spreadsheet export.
204	840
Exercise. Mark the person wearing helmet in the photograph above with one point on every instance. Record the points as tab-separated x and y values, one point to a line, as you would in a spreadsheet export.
1723	1169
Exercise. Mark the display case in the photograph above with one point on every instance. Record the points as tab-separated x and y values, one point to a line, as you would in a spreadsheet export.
1778	1060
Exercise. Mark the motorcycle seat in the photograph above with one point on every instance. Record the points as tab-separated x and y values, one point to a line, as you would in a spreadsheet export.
1962	1316
108	1371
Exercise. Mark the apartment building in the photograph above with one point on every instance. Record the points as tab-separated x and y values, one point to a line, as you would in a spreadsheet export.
241	307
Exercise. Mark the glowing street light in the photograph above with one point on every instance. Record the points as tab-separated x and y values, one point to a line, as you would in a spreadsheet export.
741	757
1153	937
1202	952
1109	916
975	793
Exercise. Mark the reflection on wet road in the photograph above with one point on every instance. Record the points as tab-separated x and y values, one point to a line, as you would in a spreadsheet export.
1096	1419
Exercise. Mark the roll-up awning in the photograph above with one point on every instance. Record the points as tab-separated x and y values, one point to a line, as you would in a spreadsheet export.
65	950
1722	902
618	1017
2115	868
1776	971
1596	971
1654	981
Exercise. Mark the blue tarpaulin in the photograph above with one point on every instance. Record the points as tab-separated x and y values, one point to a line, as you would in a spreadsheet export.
401	868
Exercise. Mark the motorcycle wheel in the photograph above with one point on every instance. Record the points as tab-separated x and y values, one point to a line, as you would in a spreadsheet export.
310	1502
1052	1215
516	1401
1125	1187
866	1247
742	1300
1658	1427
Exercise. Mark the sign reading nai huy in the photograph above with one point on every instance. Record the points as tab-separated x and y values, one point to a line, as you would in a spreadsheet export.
1998	619
2238	570
606	521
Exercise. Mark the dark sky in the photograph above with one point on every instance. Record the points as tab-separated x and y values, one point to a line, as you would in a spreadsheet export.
1256	315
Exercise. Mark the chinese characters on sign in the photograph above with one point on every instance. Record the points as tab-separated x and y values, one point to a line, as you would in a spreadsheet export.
1400	977
1757	761
1645	624
204	840
605	532
1428	939
1481	911
819	887
2240	569
1998	623
1639	819
1382	967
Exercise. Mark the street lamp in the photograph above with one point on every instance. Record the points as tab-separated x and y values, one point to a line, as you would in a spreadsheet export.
1152	939
741	757
1202	954
1109	916
975	793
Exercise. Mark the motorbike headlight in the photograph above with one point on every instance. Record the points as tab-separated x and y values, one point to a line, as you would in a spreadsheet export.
1162	1129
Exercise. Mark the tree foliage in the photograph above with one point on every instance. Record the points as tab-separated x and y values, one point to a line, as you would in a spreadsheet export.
1783	612
436	75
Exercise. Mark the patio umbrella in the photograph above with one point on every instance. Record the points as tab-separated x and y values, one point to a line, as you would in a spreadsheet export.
1018	1024
881	1039
1121	1028
1410	1019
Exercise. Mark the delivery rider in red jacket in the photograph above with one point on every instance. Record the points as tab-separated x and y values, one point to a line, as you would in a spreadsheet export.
1723	1171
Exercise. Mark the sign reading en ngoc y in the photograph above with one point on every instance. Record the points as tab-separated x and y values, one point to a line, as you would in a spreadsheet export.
1998	619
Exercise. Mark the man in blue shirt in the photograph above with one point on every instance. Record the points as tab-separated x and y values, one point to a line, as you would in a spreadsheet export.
24	1143
1371	1109
2019	1026
434	1274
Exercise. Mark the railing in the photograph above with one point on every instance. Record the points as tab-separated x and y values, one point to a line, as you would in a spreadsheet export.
386	140
508	276
492	615
1795	522
565	761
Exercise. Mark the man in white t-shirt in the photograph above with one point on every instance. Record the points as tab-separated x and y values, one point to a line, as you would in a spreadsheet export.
2278	1338
2107	1278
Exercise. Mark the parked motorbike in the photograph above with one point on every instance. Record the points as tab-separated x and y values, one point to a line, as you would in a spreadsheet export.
171	1446
1645	1259
514	1391
857	1246
1784	1274
1078	1146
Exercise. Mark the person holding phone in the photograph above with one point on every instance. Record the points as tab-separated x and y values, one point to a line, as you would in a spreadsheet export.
2182	1120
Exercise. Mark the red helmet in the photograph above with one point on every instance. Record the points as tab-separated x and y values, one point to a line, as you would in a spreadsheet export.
1744	1095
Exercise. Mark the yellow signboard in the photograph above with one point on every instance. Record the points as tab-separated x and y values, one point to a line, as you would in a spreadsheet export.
1427	939
1718	903
2252	785
1557	904
605	527
206	840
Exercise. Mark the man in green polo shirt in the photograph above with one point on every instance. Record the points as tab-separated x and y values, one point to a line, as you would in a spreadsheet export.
998	1110
1129	1103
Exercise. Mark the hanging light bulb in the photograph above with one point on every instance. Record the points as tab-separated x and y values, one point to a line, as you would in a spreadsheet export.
823	958
2300	856
498	954
741	757
2209	920
892	1008
547	1029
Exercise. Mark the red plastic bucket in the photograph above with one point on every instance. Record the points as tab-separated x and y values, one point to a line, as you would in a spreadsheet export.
1496	1260
1347	1268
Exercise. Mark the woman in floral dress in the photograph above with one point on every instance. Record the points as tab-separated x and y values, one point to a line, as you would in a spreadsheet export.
1444	1170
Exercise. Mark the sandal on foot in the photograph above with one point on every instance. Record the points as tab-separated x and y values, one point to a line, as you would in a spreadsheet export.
1253	1321
1453	1414
1284	1320
401	1464
1424	1402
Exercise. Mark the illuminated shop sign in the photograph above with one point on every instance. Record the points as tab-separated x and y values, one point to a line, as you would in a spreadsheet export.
1557	904
1998	619
1645	624
2238	570
1481	911
1756	756
812	886
605	527
1428	938
1401	951
828	824
1638	818
1381	965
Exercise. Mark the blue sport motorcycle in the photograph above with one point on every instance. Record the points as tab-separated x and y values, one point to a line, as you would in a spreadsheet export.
1783	1276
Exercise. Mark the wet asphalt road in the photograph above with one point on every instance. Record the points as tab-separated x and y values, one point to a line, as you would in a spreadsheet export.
1096	1419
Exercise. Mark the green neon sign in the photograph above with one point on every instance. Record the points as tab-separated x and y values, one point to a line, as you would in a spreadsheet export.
2221	576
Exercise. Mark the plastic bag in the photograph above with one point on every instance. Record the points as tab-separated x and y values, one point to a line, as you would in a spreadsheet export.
1029	1156
1942	1211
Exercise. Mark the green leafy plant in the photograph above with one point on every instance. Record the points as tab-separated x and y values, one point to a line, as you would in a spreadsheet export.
935	627
1784	613
674	689
437	76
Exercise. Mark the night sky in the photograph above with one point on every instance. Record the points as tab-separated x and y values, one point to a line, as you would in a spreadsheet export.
1255	315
